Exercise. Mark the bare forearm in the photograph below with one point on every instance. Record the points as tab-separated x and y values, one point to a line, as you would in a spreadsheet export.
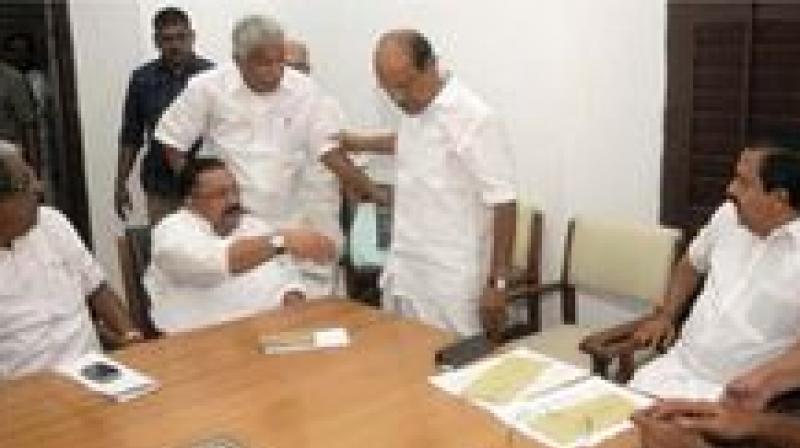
782	373
110	310
375	144
247	253
505	230
127	157
777	430
347	173
682	284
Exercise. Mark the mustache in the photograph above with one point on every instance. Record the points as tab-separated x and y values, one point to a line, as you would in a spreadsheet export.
234	209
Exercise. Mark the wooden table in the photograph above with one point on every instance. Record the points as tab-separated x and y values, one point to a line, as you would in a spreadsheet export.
373	394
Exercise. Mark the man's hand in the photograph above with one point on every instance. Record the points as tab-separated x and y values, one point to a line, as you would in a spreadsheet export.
292	298
309	245
493	313
714	420
656	332
658	433
754	389
122	201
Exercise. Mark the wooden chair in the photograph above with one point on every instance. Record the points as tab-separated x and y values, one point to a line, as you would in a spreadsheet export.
601	257
526	268
134	257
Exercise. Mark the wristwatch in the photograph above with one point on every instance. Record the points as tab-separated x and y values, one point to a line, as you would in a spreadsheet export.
499	283
278	243
132	335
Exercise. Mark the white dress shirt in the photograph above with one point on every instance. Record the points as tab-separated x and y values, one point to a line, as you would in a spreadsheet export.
453	166
46	277
747	313
265	139
190	284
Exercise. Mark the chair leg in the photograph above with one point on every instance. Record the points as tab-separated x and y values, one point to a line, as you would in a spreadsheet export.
534	315
600	366
568	306
625	372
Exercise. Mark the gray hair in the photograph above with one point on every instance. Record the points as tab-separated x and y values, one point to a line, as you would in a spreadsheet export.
252	31
8	181
8	148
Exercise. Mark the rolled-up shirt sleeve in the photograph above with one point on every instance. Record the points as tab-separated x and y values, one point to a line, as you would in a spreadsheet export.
702	245
189	258
487	155
326	119
186	118
71	247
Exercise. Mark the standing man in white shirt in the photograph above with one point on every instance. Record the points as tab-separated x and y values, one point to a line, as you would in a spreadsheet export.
455	194
212	261
747	314
49	281
264	120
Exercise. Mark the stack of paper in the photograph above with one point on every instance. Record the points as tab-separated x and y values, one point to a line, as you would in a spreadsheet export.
110	378
584	414
497	381
557	404
304	340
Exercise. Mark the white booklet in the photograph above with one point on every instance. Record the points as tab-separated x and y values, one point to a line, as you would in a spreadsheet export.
103	375
304	340
582	414
496	382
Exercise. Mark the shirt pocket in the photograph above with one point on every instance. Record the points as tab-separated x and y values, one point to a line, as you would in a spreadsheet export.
774	310
62	292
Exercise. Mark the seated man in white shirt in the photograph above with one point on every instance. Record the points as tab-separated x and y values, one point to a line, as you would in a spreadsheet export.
748	311
212	261
49	280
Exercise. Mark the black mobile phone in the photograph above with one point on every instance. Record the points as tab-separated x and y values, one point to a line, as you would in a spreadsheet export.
463	351
100	372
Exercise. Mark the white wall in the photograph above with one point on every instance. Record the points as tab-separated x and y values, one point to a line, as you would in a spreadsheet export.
104	57
579	82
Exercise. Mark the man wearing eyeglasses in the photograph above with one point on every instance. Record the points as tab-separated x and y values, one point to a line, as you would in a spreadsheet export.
152	88
49	281
213	261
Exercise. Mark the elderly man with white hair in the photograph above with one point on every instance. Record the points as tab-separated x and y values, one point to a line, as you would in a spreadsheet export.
265	120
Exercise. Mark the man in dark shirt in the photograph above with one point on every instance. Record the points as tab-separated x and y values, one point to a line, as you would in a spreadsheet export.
152	88
18	113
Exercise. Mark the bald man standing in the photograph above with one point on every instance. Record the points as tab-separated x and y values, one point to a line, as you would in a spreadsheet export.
455	193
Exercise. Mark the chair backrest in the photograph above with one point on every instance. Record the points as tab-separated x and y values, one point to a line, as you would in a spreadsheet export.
134	255
527	256
619	258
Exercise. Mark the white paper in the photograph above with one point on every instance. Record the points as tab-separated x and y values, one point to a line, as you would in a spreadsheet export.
331	338
520	414
554	374
123	384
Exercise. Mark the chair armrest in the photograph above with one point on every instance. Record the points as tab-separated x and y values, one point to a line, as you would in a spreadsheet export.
518	277
614	343
527	291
